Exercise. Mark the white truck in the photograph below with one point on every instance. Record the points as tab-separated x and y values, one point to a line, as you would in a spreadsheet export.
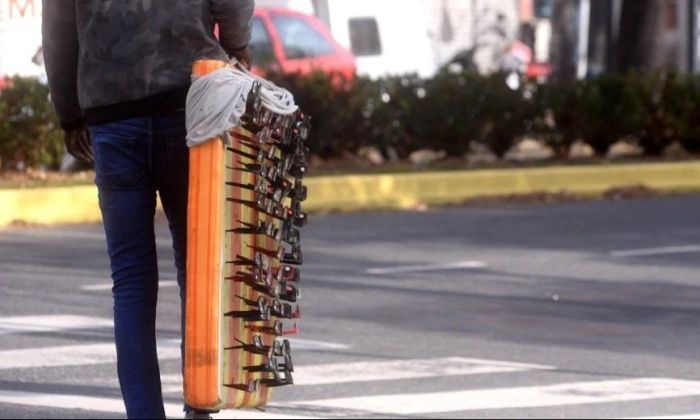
416	36
386	36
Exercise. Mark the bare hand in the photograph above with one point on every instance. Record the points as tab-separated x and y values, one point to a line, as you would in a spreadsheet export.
79	145
245	57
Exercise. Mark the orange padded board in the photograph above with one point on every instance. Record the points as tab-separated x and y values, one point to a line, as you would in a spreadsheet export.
215	377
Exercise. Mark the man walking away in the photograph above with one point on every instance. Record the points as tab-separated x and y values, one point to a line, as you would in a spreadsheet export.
119	71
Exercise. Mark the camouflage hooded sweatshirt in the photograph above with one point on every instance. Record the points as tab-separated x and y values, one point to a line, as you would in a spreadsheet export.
109	60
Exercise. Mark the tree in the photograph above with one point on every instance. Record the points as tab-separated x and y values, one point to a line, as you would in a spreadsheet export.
30	135
564	43
640	29
601	57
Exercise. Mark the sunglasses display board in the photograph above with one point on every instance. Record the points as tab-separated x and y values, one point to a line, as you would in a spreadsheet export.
245	195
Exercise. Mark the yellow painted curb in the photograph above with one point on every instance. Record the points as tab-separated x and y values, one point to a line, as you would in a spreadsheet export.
49	205
405	191
398	191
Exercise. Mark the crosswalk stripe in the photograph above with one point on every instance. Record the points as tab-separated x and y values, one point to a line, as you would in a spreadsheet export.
105	287
306	344
506	398
176	411
68	402
56	323
90	354
427	268
50	323
404	369
342	373
114	405
650	252
30	235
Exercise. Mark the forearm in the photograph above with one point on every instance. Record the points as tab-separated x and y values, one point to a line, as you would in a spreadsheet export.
61	49
234	20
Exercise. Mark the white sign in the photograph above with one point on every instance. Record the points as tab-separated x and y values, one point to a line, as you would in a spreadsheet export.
20	38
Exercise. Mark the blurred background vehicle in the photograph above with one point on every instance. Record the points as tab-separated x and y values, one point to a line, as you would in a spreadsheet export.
386	37
288	41
512	58
398	37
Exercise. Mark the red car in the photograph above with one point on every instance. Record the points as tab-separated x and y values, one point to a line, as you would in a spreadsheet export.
291	42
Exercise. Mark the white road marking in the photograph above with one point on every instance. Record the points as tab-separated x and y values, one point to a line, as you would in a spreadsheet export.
91	354
62	234
342	373
525	397
31	234
303	344
115	405
68	402
242	415
104	287
427	268
34	271
171	384
648	252
404	369
684	417
50	323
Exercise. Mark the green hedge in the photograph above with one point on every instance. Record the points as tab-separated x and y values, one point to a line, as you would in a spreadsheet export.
30	135
449	112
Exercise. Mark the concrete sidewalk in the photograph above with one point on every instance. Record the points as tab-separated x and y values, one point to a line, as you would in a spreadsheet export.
395	191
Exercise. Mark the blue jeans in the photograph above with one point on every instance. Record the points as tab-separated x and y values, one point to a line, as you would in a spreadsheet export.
134	160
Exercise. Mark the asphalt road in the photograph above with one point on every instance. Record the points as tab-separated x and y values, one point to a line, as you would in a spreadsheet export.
570	310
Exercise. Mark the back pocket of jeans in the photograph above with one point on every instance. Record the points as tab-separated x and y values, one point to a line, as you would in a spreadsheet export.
118	163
